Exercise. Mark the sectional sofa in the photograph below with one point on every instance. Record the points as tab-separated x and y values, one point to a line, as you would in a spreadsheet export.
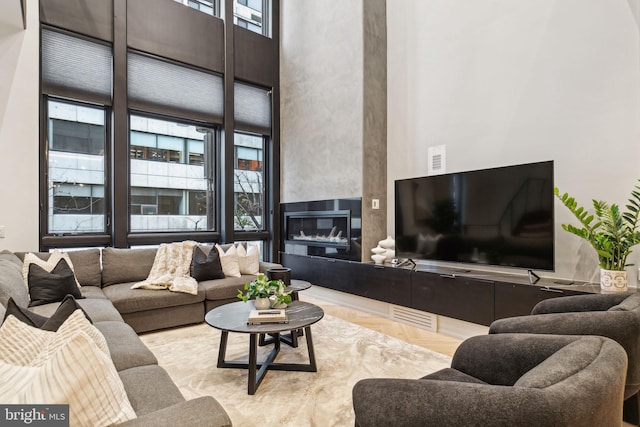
120	312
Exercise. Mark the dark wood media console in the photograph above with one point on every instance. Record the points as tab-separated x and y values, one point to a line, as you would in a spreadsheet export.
474	296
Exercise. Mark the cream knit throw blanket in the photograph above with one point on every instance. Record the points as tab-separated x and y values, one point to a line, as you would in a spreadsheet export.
172	269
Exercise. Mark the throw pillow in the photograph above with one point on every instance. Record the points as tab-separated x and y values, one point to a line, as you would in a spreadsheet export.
24	345
78	374
206	267
66	308
47	265
229	261
46	287
248	260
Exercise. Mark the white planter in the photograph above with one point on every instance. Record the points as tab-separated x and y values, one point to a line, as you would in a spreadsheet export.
275	304
613	280
262	303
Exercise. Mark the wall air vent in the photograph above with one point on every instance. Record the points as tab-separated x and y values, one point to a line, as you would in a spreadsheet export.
416	318
437	160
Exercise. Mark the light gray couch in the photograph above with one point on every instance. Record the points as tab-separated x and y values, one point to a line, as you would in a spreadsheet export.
120	312
109	274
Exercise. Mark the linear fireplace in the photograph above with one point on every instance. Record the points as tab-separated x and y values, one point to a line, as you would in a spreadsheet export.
328	228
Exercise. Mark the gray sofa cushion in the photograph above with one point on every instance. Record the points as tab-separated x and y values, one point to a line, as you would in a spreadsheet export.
202	412
10	256
149	388
126	265
100	310
128	300
92	292
12	284
224	288
86	265
126	348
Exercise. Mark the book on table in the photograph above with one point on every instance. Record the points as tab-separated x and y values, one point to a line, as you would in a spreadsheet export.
258	317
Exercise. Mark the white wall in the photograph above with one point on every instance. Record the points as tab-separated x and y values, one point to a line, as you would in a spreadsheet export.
19	64
503	82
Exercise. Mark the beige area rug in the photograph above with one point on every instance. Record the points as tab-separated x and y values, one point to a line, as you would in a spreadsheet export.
345	353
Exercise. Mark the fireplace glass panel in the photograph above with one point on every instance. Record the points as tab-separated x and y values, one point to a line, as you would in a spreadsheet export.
321	228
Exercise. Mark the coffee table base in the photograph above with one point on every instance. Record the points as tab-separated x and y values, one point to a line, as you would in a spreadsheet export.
291	339
257	375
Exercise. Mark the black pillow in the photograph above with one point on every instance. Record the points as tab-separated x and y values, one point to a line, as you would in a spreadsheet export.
45	287
66	308
206	267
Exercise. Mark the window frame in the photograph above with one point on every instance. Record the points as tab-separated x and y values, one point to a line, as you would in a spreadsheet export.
51	239
264	234
135	238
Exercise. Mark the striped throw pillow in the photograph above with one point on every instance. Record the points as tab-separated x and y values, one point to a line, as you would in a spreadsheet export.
24	345
79	374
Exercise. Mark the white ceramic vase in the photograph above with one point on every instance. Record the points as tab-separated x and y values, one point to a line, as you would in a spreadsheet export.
276	304
388	243
262	303
378	258
390	254
613	280
378	250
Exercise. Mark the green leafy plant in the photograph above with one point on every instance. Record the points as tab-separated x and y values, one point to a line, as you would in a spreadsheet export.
612	233
280	296
262	287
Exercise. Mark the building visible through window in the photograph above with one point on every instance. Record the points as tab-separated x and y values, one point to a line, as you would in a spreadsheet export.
208	7
169	176
248	182
76	164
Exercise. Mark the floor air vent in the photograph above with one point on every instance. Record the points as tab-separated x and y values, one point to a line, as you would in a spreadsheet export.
416	318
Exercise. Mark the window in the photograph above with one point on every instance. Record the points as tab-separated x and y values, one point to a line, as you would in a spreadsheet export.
76	168
248	182
253	15
171	183
208	7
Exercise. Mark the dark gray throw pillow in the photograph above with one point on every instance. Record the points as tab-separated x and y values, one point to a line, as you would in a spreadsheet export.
66	308
46	287
206	267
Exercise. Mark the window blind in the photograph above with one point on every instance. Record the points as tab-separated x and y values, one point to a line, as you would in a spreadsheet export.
252	108
76	67
164	87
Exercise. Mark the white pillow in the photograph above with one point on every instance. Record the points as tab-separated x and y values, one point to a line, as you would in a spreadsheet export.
47	265
24	345
249	260
229	261
78	374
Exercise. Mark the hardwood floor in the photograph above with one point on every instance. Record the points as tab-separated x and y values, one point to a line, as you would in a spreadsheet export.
433	341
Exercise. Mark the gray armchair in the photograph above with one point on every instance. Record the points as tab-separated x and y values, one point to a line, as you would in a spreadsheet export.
615	316
506	380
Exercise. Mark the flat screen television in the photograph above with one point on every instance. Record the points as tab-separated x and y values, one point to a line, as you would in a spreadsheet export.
501	216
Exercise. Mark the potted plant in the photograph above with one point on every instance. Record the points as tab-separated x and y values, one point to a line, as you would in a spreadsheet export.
610	232
261	289
280	298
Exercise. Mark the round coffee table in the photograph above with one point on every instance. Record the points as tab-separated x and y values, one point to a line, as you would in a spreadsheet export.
297	286
233	318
